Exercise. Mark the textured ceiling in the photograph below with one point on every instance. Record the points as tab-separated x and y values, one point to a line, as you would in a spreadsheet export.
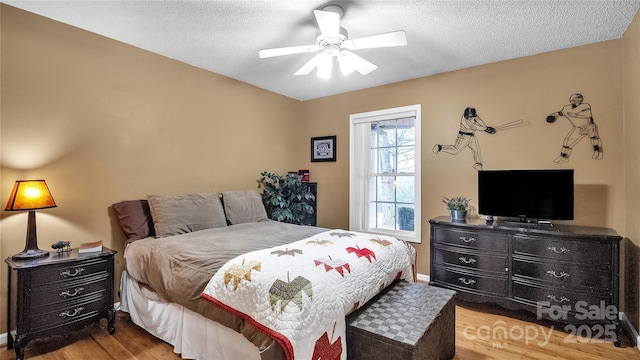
224	36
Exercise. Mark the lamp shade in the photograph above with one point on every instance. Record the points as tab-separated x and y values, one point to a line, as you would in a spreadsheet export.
30	195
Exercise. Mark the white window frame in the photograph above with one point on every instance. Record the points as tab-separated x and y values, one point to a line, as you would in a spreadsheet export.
359	152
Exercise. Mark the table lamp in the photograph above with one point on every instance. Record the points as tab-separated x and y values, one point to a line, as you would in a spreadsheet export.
30	195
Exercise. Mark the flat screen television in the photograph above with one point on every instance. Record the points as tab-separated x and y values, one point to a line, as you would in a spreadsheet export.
529	195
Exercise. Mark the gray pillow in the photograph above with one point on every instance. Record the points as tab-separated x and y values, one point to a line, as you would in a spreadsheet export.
174	215
243	206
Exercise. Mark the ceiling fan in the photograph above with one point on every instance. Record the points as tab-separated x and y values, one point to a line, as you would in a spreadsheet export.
334	41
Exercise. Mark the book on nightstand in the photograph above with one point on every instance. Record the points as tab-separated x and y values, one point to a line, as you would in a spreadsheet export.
91	247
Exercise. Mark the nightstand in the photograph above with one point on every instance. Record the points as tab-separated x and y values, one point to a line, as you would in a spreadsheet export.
58	294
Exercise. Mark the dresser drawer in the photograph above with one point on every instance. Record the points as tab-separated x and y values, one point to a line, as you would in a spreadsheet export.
470	259
476	240
67	313
69	290
66	272
583	252
473	282
563	274
538	295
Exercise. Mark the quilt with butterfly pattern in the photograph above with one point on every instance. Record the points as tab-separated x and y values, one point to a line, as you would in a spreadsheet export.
300	293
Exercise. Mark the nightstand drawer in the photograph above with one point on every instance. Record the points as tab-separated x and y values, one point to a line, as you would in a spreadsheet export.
67	313
476	240
67	272
67	291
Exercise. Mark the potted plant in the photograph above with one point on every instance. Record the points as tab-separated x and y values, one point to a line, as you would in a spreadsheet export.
286	198
457	206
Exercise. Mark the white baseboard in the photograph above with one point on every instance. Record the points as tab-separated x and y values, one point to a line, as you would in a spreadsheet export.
3	336
631	331
423	277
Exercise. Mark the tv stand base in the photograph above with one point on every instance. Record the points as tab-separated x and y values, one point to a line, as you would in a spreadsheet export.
554	272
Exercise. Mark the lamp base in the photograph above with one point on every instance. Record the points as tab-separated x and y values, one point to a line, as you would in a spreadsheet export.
31	250
30	254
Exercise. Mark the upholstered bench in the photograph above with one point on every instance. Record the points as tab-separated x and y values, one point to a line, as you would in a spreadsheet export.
406	321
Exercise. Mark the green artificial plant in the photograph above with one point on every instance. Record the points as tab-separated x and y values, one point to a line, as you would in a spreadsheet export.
456	203
286	198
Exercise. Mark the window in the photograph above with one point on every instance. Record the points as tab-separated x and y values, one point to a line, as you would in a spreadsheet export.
384	189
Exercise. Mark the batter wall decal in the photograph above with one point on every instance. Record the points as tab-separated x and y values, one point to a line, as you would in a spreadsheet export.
579	115
466	138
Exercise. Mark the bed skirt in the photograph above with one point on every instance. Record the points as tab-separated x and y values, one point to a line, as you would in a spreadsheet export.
192	335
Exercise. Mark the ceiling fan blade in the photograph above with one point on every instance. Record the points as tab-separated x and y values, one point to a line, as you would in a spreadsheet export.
395	38
328	22
266	53
309	66
359	64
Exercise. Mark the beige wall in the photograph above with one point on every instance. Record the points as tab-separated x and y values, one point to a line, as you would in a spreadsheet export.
527	88
102	121
631	130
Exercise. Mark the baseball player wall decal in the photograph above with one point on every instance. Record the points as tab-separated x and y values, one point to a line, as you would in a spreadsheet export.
579	115
466	138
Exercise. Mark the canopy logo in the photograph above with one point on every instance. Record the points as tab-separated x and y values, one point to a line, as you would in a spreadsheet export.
498	334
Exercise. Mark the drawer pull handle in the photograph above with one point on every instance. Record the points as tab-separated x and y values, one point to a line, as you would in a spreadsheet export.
562	250
67	293
556	275
467	261
467	239
68	273
561	300
467	281
66	313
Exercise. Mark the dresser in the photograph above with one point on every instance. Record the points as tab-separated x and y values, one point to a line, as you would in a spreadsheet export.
563	273
58	294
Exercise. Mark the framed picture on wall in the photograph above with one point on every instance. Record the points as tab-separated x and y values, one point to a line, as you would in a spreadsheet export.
323	148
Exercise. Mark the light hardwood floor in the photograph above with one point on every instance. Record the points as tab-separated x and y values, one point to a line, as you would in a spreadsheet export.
474	341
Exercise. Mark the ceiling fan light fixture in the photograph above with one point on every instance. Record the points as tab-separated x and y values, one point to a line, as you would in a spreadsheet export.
333	41
346	66
325	65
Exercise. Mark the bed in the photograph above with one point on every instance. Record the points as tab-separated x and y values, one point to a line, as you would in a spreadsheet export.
179	247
